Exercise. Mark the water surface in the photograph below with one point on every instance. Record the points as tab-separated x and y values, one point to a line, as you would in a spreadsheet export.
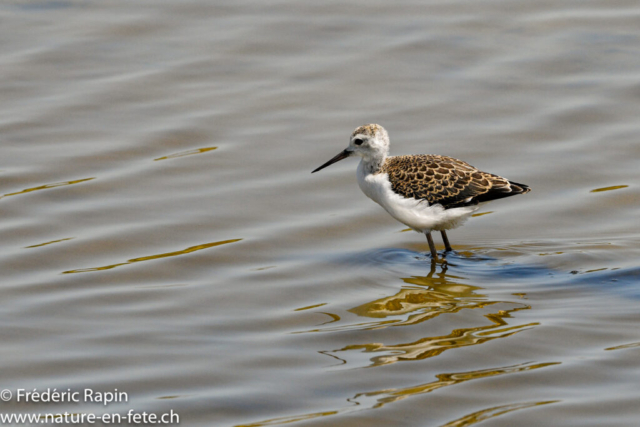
162	233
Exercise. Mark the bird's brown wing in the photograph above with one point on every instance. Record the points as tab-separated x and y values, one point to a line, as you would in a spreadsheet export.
446	181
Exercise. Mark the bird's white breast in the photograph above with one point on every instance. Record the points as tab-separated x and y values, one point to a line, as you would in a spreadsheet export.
417	214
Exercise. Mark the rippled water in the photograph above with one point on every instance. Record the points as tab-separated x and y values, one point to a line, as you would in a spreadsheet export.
162	234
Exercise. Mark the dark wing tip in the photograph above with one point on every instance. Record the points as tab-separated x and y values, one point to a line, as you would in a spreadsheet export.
508	189
517	188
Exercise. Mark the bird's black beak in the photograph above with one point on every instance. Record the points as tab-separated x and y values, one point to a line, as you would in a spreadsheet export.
343	155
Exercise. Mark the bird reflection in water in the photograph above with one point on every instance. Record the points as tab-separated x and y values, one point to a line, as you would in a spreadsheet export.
425	298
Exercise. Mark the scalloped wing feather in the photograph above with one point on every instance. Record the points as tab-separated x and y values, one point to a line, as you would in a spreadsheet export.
446	181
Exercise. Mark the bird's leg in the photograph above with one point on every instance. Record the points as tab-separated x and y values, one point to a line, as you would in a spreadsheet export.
445	239
432	246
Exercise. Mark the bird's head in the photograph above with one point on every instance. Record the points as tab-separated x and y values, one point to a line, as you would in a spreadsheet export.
370	142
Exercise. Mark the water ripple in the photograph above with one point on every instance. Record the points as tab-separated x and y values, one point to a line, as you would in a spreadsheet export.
47	186
186	153
378	399
152	257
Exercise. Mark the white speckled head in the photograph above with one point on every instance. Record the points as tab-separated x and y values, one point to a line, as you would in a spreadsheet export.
371	142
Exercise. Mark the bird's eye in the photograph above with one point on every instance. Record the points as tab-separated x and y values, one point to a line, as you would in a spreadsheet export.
357	141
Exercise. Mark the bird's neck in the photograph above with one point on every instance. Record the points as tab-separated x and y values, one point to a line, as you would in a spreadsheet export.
373	164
